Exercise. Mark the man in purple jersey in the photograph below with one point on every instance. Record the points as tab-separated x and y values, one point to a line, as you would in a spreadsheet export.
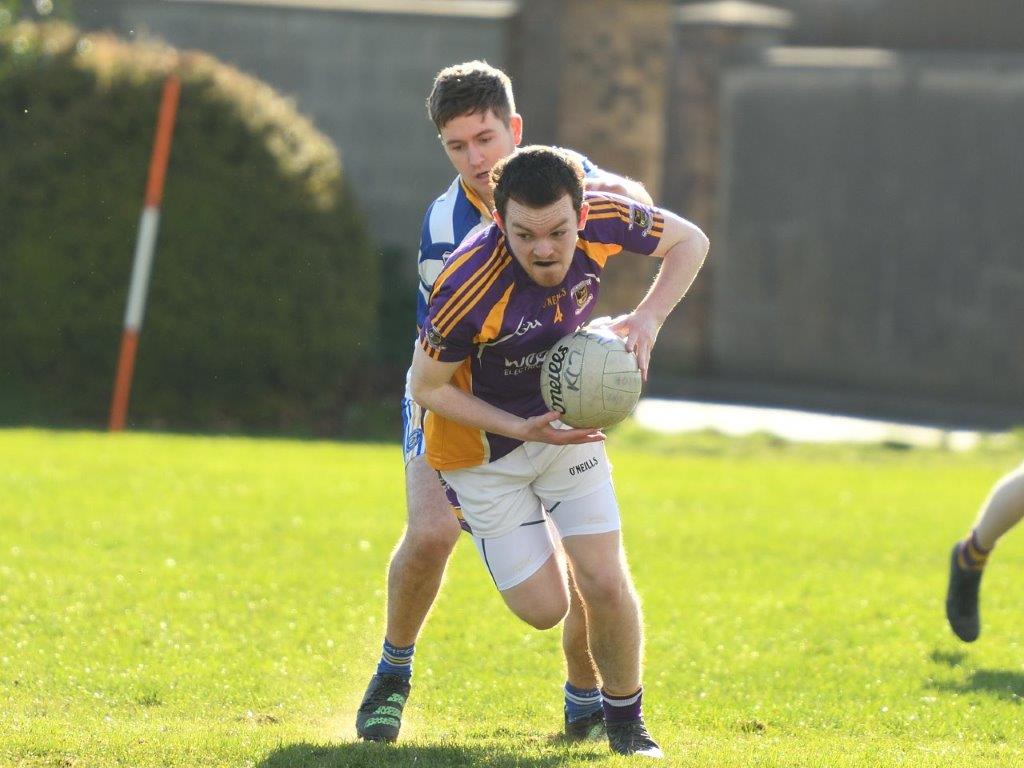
503	298
473	108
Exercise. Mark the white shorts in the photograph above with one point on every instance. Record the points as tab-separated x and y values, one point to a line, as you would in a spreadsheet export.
498	497
514	557
412	423
502	501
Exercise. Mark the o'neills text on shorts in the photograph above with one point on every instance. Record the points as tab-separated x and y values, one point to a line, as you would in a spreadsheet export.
579	469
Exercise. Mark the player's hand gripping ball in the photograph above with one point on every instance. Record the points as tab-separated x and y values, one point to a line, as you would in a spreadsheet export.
590	378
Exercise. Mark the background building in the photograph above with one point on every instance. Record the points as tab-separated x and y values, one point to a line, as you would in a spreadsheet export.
856	163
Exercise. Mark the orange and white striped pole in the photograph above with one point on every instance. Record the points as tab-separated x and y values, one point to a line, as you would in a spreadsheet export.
149	223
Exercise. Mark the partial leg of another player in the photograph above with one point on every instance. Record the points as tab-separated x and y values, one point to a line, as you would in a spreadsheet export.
414	578
1002	510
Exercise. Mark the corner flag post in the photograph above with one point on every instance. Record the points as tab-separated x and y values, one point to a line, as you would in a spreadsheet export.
148	225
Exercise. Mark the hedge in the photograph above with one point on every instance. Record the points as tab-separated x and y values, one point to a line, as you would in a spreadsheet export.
262	306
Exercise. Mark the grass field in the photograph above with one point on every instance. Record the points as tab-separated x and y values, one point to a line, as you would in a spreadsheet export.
180	601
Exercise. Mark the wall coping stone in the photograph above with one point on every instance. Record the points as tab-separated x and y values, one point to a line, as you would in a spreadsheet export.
734	13
481	9
799	56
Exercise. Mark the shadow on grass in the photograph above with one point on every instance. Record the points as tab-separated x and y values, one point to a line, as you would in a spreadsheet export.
1004	683
364	755
949	658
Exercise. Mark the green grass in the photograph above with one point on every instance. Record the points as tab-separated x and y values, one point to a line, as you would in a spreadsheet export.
179	601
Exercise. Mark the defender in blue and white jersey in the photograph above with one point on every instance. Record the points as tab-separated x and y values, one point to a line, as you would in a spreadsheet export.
474	110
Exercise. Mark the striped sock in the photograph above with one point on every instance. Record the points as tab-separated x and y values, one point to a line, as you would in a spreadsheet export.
580	702
622	707
395	660
971	556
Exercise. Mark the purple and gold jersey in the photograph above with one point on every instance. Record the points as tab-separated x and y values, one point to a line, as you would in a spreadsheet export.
486	312
452	218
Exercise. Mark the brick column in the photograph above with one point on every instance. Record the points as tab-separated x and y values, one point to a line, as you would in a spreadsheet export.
613	83
590	75
708	38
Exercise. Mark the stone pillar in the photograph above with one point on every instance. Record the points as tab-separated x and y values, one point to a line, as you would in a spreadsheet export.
535	56
613	84
709	37
591	75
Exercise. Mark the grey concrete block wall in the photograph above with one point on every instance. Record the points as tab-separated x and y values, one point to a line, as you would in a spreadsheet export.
966	25
866	230
871	235
362	77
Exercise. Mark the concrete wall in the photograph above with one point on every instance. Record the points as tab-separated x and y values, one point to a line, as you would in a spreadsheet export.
363	77
967	25
870	227
864	211
707	42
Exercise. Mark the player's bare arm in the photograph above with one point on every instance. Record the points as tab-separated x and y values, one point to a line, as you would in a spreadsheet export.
682	249
432	389
618	185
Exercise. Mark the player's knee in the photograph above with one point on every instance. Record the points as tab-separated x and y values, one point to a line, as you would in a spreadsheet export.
431	543
546	622
545	616
606	587
541	606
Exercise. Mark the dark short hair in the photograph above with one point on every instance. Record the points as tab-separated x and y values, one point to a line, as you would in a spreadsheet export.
537	177
467	89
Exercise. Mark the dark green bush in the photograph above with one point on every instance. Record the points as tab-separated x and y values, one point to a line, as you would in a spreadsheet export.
263	300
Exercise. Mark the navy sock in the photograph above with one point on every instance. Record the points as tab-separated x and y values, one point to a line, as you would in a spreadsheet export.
395	660
622	707
580	702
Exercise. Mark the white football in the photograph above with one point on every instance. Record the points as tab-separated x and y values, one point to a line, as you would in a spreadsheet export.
590	378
